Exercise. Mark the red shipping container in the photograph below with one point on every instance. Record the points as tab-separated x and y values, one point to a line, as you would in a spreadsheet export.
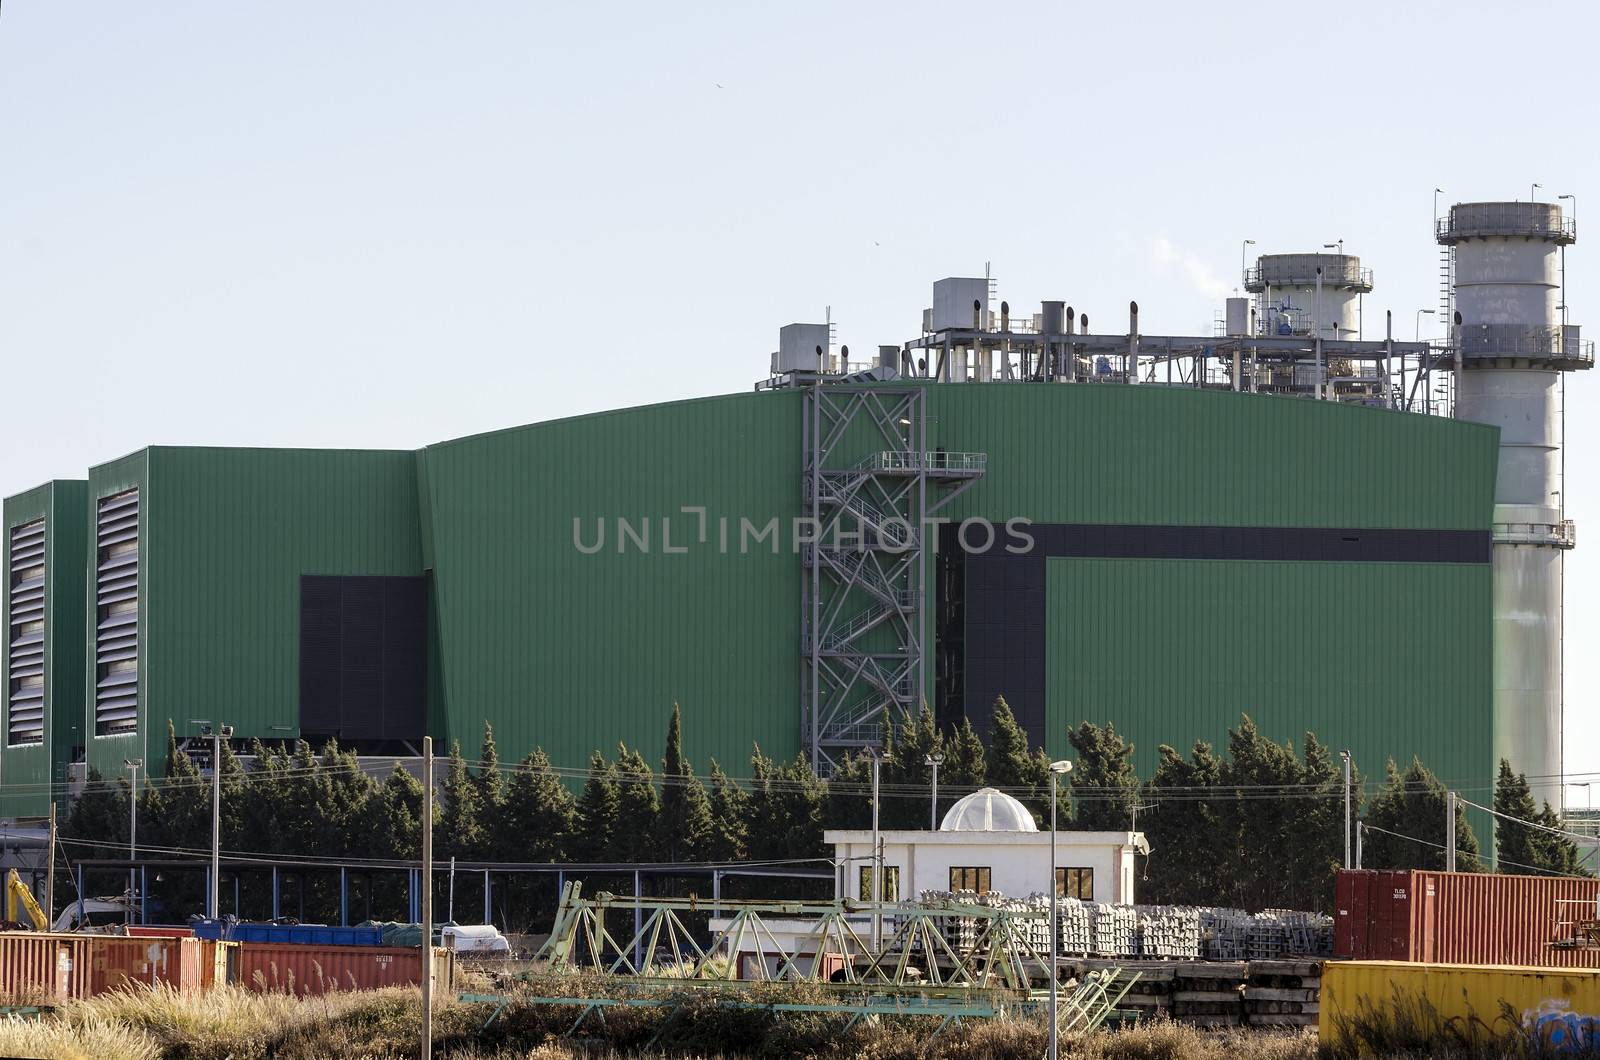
301	969
159	931
118	961
1466	918
1352	922
39	967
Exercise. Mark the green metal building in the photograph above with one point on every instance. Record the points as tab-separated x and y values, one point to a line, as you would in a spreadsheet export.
1194	554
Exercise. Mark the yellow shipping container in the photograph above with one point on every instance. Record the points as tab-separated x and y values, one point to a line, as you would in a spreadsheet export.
1562	1003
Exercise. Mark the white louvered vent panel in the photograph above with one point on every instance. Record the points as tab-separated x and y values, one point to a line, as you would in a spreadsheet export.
25	635
116	597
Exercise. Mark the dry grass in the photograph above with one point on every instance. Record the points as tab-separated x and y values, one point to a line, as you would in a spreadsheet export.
92	1038
236	1024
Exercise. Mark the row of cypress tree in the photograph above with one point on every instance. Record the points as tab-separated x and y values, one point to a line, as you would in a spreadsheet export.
1258	826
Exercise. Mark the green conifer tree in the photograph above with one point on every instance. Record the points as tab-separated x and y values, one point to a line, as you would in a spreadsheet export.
540	814
1406	824
965	766
730	816
1517	846
686	822
1193	856
1103	782
491	791
637	837
460	833
599	811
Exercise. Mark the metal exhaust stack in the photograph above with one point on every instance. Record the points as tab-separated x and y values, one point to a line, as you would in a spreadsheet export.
1511	352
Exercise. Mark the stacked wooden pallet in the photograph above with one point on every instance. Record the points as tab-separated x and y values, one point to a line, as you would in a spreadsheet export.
1209	993
1219	993
1150	996
1282	993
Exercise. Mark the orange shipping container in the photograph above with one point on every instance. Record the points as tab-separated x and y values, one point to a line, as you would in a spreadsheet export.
37	967
301	969
1466	918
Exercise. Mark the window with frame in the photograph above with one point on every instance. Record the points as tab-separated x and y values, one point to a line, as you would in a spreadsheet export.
970	878
1075	883
891	883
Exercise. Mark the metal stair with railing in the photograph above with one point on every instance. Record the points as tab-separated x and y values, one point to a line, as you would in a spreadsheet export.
852	565
893	530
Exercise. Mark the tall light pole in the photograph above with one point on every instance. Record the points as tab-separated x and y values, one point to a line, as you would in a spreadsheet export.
1436	192
932	761
1531	196
218	733
1244	270
877	863
1344	756
427	898
1056	770
1416	334
133	765
1574	199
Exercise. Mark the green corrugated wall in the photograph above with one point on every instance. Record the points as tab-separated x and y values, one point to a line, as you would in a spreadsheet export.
1144	454
30	772
1386	659
1148	455
225	536
575	652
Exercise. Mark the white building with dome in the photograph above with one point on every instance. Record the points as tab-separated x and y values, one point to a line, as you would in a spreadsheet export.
988	842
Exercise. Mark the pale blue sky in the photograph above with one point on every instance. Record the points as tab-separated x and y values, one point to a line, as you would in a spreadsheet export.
384	224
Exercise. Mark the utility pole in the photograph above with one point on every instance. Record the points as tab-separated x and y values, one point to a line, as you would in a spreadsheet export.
50	870
1056	769
933	814
1449	831
1345	757
427	898
133	765
218	733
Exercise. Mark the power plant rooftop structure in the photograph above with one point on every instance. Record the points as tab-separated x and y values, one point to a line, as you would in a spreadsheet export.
1509	346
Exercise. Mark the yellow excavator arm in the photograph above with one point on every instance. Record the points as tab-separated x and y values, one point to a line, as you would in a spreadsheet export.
20	899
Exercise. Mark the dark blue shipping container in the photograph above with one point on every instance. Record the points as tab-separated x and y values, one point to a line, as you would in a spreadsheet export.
296	934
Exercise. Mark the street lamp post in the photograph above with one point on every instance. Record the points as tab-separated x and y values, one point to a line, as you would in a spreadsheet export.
1436	192
133	765
1244	270
1344	756
1531	196
1056	770
932	761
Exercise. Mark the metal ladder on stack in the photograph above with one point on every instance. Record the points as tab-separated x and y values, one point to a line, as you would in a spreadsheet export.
1447	287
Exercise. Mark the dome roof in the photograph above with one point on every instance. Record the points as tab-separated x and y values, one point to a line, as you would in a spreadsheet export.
988	810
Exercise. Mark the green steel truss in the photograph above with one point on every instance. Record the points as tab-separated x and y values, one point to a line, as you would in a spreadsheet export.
947	959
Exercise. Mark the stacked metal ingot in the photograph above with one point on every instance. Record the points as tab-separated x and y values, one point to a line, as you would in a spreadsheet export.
1169	931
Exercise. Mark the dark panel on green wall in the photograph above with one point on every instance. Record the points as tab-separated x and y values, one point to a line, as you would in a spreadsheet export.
363	657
